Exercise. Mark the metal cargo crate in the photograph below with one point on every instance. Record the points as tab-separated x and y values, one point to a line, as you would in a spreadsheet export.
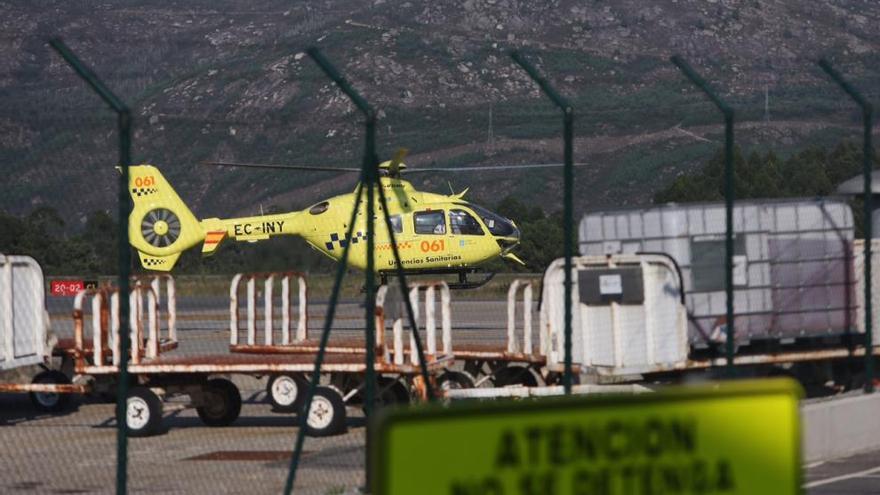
793	263
627	314
22	312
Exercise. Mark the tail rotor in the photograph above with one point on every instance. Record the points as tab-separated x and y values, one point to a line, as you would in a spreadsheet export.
160	227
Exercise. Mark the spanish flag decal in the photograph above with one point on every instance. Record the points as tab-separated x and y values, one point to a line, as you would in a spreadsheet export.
212	240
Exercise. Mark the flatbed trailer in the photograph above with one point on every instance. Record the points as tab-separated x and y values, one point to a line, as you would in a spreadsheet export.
466	365
630	331
25	336
259	337
630	325
634	331
158	371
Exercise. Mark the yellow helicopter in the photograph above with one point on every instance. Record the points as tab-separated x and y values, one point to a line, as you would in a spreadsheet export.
435	233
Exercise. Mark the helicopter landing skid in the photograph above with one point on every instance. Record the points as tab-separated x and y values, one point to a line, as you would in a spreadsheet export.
462	283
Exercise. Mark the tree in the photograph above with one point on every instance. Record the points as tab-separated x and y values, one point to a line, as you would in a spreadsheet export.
811	172
100	235
541	237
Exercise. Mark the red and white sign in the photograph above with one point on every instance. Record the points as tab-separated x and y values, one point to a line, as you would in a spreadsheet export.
70	287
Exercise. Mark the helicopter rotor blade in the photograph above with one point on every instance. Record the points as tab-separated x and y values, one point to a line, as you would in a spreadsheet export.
395	163
394	167
477	168
282	167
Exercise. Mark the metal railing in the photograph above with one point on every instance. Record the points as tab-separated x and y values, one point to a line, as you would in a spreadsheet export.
868	211
397	351
512	342
369	180
269	279
430	321
567	201
105	327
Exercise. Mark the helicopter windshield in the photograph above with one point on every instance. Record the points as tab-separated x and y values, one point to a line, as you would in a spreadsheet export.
461	222
498	225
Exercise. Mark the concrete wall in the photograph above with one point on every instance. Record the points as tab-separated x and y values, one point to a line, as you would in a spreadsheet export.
840	427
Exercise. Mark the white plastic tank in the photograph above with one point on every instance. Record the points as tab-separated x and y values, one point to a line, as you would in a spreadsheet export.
793	262
628	314
23	323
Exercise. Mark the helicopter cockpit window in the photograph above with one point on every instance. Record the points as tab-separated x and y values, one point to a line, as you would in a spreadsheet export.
397	224
319	208
429	222
461	222
497	224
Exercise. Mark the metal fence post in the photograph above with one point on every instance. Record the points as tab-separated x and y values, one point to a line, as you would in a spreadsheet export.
568	181
124	210
369	173
371	163
319	358
728	113
369	178
867	169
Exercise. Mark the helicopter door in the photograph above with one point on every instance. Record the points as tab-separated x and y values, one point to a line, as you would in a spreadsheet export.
463	232
431	222
430	227
463	223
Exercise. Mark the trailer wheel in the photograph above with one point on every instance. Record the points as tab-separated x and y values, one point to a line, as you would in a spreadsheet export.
223	403
143	412
391	391
286	393
451	380
326	413
514	375
50	402
556	378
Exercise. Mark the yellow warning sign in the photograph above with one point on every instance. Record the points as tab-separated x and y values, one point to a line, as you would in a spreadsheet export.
730	438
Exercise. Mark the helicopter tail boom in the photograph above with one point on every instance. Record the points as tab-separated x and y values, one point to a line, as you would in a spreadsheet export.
248	229
161	226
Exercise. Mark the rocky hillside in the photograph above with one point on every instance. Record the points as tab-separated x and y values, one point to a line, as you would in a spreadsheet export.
229	80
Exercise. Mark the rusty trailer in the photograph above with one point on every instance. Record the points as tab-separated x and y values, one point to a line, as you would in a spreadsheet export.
630	326
25	336
465	365
161	373
393	357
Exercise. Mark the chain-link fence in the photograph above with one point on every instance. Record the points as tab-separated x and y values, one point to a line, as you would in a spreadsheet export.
224	370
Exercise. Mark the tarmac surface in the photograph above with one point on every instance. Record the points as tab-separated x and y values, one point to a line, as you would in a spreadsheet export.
858	474
75	452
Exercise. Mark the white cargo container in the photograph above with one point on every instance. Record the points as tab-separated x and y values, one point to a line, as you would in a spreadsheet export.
23	325
793	263
859	270
628	315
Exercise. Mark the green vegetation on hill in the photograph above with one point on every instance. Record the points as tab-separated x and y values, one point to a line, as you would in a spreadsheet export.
541	240
41	234
812	172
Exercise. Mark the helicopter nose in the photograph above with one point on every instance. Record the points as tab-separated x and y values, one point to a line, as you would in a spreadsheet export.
510	241
515	235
